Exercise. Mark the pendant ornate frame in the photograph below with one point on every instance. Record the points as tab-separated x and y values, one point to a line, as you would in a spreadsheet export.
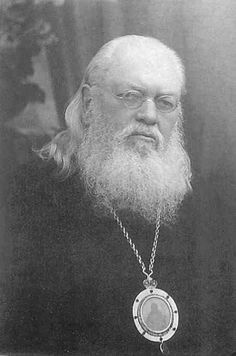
140	323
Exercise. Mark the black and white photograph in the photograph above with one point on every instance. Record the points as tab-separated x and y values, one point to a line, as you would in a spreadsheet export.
117	177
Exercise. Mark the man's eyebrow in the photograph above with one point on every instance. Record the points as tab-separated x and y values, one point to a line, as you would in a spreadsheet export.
166	92
121	87
130	85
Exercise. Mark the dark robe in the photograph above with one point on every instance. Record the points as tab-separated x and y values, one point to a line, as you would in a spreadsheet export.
70	277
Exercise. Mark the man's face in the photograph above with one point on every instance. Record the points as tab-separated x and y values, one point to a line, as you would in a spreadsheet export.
153	78
128	171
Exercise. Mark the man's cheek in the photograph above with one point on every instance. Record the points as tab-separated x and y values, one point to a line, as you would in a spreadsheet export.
167	129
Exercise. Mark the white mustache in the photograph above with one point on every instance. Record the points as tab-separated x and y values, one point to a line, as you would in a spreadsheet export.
131	130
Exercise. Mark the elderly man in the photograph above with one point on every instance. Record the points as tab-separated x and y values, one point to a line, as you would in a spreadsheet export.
125	129
95	267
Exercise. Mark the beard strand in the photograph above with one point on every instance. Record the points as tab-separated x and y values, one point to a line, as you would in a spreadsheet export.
145	180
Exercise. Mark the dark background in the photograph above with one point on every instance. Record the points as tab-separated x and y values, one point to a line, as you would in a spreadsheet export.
203	32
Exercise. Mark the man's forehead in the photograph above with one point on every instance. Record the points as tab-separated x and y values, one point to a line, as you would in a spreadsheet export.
153	68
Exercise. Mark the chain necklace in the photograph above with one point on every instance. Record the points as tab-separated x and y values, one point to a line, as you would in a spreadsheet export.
134	248
155	313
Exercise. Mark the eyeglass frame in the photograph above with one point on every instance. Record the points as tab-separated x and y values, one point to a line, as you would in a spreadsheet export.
145	98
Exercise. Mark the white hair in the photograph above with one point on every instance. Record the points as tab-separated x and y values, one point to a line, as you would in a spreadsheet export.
64	146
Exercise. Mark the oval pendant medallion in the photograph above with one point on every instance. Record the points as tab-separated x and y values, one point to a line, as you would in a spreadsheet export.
155	315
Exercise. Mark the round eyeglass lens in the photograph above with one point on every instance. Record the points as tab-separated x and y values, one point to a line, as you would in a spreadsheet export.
133	99
166	103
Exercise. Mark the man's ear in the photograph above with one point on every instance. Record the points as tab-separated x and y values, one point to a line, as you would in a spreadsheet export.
87	101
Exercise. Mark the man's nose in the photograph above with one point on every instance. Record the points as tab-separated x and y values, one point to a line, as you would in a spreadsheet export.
148	112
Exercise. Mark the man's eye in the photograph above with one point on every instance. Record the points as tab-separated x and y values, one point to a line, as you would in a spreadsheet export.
133	97
166	103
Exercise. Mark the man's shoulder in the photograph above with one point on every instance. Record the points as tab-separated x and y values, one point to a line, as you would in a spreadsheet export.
36	193
29	186
31	175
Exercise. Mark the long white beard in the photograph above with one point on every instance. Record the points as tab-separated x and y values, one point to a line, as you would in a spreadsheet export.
140	178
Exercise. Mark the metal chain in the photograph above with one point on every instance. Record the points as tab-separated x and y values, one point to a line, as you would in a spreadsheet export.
154	246
134	248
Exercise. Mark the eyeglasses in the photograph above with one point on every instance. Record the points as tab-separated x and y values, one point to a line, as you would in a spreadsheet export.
133	99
